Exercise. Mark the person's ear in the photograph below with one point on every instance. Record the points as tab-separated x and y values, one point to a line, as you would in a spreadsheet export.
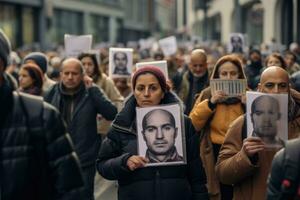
259	87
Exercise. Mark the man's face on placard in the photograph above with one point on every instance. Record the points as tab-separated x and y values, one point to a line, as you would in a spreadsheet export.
159	132
120	60
264	116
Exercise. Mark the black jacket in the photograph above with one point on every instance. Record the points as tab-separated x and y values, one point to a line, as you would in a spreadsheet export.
83	127
183	182
285	168
36	154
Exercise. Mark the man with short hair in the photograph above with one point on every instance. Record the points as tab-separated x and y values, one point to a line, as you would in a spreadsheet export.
79	106
193	81
265	112
120	61
160	132
245	162
37	160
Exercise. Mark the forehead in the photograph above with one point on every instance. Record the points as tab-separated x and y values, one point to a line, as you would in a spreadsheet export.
120	55
145	79
158	117
198	58
71	66
266	104
228	66
276	78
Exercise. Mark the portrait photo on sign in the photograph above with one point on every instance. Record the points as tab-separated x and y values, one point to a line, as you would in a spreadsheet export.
236	43
162	65
120	62
267	117
161	135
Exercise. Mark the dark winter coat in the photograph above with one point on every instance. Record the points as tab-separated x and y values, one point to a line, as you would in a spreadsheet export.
37	160
83	127
182	182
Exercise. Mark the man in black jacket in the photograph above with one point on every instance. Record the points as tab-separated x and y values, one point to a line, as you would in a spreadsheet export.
79	105
37	160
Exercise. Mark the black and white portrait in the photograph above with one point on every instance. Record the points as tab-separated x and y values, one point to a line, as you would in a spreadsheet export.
120	62
160	136
236	43
267	117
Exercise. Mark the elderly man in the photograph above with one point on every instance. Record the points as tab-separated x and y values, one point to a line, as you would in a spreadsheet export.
37	158
193	81
245	163
160	132
79	106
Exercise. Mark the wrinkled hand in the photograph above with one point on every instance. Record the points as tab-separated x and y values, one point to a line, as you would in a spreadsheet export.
253	145
135	162
219	96
88	81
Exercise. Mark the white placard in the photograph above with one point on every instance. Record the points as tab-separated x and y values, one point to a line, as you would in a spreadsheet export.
232	88
236	43
161	136
146	43
76	44
168	45
120	62
162	65
267	117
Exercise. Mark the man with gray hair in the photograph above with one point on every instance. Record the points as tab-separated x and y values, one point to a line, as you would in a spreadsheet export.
79	105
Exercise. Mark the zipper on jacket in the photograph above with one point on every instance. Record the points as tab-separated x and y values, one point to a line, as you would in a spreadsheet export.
157	186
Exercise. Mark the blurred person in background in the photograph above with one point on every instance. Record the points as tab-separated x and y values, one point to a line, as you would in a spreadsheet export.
211	116
80	104
123	86
31	79
254	68
14	66
92	69
55	63
41	61
189	83
290	59
275	59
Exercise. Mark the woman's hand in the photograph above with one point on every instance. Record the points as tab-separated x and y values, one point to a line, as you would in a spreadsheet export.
135	162
219	96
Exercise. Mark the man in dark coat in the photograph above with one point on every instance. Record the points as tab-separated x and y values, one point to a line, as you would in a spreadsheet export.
37	160
193	81
79	105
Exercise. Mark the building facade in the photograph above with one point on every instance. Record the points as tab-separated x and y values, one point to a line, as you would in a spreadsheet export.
261	20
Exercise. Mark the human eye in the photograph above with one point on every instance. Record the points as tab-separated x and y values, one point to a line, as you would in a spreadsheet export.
140	88
258	113
283	85
167	127
153	87
269	85
233	73
150	129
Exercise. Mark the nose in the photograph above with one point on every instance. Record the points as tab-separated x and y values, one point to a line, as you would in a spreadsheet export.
276	89
159	134
147	92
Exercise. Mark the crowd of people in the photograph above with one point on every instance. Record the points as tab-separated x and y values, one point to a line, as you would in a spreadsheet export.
68	129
